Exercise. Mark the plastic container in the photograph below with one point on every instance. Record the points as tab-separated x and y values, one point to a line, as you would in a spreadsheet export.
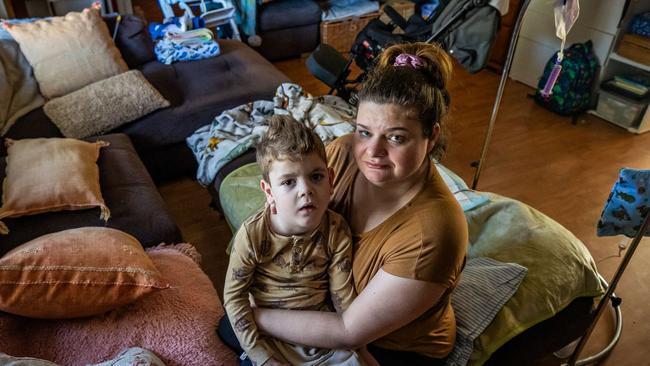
622	111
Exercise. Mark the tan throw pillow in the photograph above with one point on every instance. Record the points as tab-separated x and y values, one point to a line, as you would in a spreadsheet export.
76	273
104	105
51	174
69	52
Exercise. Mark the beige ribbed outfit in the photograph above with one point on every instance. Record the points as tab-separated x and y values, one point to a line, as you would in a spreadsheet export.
310	272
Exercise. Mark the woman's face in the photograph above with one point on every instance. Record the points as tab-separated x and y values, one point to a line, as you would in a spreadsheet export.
389	145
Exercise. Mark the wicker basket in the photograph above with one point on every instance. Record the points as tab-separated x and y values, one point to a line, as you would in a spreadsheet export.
636	48
341	34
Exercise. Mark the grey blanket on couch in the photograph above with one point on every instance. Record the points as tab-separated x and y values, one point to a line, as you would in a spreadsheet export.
18	89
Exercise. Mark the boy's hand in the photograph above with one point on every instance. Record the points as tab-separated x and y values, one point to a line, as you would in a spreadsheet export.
366	356
273	362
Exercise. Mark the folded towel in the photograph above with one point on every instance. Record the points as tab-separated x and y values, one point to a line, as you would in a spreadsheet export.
485	286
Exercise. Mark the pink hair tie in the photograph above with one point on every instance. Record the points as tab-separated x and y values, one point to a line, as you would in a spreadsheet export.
405	59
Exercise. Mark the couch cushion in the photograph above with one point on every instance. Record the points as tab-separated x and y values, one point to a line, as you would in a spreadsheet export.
104	105
136	206
199	90
69	52
76	273
51	174
280	14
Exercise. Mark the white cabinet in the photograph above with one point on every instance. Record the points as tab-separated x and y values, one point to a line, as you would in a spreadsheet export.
616	65
598	22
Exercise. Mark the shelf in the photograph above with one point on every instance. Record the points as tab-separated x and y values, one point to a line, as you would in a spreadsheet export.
642	127
615	56
629	128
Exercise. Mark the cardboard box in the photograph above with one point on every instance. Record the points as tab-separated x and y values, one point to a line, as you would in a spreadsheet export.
405	8
636	48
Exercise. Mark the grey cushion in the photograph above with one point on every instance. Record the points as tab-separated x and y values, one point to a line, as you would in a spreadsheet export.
280	14
136	206
104	105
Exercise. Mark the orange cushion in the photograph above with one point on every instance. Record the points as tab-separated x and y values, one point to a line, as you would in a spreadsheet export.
51	175
76	273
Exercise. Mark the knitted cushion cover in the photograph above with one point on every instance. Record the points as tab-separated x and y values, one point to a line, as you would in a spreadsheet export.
104	105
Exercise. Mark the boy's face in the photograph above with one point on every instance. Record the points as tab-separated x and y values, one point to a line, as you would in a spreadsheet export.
301	193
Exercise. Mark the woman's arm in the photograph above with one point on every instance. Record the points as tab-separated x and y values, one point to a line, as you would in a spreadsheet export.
386	304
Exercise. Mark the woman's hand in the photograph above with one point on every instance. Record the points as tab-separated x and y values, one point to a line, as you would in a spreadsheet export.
377	311
273	362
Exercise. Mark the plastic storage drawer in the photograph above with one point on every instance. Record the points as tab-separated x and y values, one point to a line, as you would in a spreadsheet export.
620	110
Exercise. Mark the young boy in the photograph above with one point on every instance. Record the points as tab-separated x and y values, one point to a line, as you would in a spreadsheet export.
294	253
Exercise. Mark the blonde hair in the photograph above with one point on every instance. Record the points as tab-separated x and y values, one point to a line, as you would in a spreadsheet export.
422	88
286	139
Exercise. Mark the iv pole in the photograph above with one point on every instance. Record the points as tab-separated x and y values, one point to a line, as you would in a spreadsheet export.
479	167
502	86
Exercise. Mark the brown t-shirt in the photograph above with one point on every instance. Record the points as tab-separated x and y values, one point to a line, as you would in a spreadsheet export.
424	240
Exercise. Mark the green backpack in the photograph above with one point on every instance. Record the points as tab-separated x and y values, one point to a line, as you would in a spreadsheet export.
572	92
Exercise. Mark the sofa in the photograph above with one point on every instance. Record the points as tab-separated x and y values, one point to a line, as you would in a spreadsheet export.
152	146
197	90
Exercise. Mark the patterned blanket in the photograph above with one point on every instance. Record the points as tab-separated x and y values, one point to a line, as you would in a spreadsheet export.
236	130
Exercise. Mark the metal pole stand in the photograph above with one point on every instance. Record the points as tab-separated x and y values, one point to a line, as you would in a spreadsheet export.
573	361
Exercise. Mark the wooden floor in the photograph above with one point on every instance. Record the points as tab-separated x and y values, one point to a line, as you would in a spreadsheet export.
565	171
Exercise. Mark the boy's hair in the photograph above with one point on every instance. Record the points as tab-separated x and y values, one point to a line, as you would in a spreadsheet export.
286	139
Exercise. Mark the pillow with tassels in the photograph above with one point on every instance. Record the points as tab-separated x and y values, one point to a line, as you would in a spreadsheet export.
51	174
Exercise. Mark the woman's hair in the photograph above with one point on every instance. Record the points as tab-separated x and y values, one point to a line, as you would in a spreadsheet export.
419	85
286	139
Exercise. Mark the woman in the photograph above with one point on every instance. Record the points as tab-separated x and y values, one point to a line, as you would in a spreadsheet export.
410	234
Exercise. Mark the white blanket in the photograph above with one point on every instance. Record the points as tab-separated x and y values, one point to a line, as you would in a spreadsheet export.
236	130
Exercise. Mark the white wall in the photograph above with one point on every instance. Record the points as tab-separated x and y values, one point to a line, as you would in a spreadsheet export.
597	22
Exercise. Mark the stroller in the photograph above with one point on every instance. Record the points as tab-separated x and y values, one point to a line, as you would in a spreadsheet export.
465	28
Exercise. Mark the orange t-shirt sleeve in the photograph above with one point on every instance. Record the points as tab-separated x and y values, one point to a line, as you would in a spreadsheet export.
433	252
